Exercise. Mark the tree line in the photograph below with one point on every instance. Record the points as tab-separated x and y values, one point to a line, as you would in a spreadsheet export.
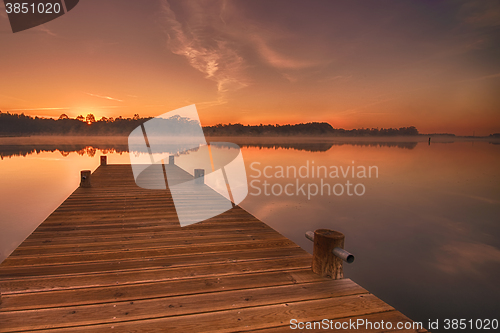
313	129
21	124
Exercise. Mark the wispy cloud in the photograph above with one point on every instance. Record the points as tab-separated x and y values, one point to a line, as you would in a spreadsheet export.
105	97
486	77
39	109
277	59
336	78
360	109
481	13
215	55
90	108
466	257
13	98
43	29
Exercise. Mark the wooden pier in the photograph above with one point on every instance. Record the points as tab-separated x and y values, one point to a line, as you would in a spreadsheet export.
113	258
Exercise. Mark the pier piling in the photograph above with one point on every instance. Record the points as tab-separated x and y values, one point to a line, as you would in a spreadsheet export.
85	178
199	176
329	253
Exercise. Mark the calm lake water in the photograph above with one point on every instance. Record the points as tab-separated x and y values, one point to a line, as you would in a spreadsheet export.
425	228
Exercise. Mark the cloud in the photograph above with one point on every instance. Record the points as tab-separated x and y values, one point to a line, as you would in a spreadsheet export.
200	35
336	78
44	29
486	77
221	40
105	97
38	109
465	257
276	59
13	98
481	13
360	108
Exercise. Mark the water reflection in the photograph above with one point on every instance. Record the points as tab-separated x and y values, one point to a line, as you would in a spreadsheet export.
7	151
63	149
323	146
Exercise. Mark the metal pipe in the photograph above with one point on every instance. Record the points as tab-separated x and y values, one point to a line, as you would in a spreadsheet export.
343	254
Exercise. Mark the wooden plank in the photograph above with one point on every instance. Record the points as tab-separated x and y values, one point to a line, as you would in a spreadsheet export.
176	233
19	284
145	243
245	319
149	263
174	306
159	252
393	317
165	229
156	289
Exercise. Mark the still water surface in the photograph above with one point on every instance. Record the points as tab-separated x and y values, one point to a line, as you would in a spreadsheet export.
425	232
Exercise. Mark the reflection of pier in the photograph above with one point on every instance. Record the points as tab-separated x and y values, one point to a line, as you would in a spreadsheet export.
113	257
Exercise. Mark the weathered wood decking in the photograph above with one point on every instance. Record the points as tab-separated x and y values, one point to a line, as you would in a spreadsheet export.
112	258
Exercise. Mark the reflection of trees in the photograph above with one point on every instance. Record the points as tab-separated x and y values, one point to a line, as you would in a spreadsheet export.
312	147
63	149
404	145
92	150
325	146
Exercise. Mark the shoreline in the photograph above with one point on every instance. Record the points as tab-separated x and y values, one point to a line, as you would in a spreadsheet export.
123	140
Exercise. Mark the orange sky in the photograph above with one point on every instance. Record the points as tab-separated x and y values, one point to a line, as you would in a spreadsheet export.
431	64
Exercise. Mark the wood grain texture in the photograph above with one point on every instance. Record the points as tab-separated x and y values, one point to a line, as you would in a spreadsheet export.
324	262
113	258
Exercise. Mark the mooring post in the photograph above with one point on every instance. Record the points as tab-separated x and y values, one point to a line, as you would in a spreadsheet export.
199	176
329	253
104	160
171	160
85	178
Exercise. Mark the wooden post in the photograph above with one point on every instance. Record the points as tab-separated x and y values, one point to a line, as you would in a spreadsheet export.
104	160
171	160
199	176
85	178
325	263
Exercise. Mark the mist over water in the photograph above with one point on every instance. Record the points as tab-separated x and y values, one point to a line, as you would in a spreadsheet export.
425	231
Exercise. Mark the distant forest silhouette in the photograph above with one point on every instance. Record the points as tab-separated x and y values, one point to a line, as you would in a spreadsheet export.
21	125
